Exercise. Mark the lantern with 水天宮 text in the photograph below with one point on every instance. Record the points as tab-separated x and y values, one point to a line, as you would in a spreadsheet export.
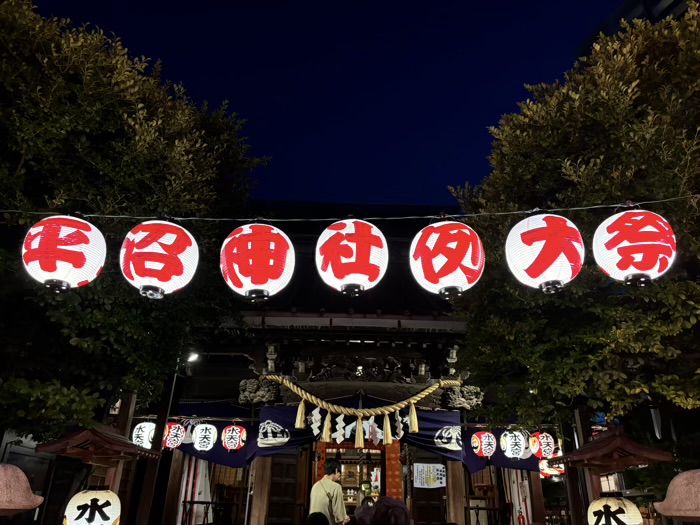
484	444
174	435
542	444
203	437
143	434
233	437
515	444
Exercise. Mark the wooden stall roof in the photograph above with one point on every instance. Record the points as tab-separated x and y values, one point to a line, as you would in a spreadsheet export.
97	446
612	452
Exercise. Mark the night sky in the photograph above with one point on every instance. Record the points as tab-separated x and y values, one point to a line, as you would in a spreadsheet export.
363	102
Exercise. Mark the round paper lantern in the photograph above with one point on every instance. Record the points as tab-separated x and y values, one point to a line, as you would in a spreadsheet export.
174	434
64	252
233	438
93	506
515	445
545	251
542	444
484	444
352	256
143	434
609	511
447	258
204	437
257	260
158	258
634	246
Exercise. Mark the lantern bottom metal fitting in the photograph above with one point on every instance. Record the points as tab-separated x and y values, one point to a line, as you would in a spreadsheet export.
638	279
257	294
353	290
551	286
152	292
57	285
451	292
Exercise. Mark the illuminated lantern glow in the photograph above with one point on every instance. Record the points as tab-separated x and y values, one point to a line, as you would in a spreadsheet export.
542	445
143	434
203	437
352	256
158	258
64	252
484	444
257	260
547	470
233	438
613	511
96	507
545	251
447	258
174	435
634	246
515	444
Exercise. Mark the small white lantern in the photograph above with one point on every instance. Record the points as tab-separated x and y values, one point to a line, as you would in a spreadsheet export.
64	252
515	445
159	258
545	251
143	434
634	246
257	260
613	511
352	256
203	437
93	507
447	258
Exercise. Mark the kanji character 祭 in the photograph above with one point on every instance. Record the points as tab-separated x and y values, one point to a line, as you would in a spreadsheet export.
352	253
159	257
64	252
447	254
257	259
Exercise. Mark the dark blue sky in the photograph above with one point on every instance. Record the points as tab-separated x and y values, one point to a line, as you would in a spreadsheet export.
375	102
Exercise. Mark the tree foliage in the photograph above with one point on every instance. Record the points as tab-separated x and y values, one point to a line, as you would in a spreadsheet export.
86	128
623	125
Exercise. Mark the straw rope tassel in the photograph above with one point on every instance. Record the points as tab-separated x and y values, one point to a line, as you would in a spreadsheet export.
326	434
388	440
412	419
359	434
301	415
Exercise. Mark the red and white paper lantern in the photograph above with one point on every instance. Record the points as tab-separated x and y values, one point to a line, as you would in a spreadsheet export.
96	507
515	444
64	252
204	437
634	246
545	251
233	438
352	256
447	258
484	444
174	435
143	434
542	445
159	258
257	260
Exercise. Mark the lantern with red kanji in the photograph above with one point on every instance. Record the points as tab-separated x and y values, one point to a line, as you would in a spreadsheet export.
233	438
542	445
64	252
174	435
352	256
484	444
545	251
159	258
257	260
634	246
447	258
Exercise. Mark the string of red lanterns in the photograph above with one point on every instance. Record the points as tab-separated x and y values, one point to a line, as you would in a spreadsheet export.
257	260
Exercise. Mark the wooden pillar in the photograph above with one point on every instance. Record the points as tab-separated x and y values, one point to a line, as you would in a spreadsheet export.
455	492
124	419
172	495
303	477
261	491
537	498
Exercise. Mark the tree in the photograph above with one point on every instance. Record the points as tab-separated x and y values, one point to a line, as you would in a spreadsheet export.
624	125
85	128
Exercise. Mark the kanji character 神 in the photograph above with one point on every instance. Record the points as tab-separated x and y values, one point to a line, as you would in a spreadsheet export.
260	255
650	241
453	243
338	253
559	238
161	262
51	246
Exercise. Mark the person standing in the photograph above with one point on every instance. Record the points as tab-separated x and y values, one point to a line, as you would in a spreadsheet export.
327	496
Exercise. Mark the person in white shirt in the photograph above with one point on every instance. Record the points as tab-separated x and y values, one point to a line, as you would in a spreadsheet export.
327	495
